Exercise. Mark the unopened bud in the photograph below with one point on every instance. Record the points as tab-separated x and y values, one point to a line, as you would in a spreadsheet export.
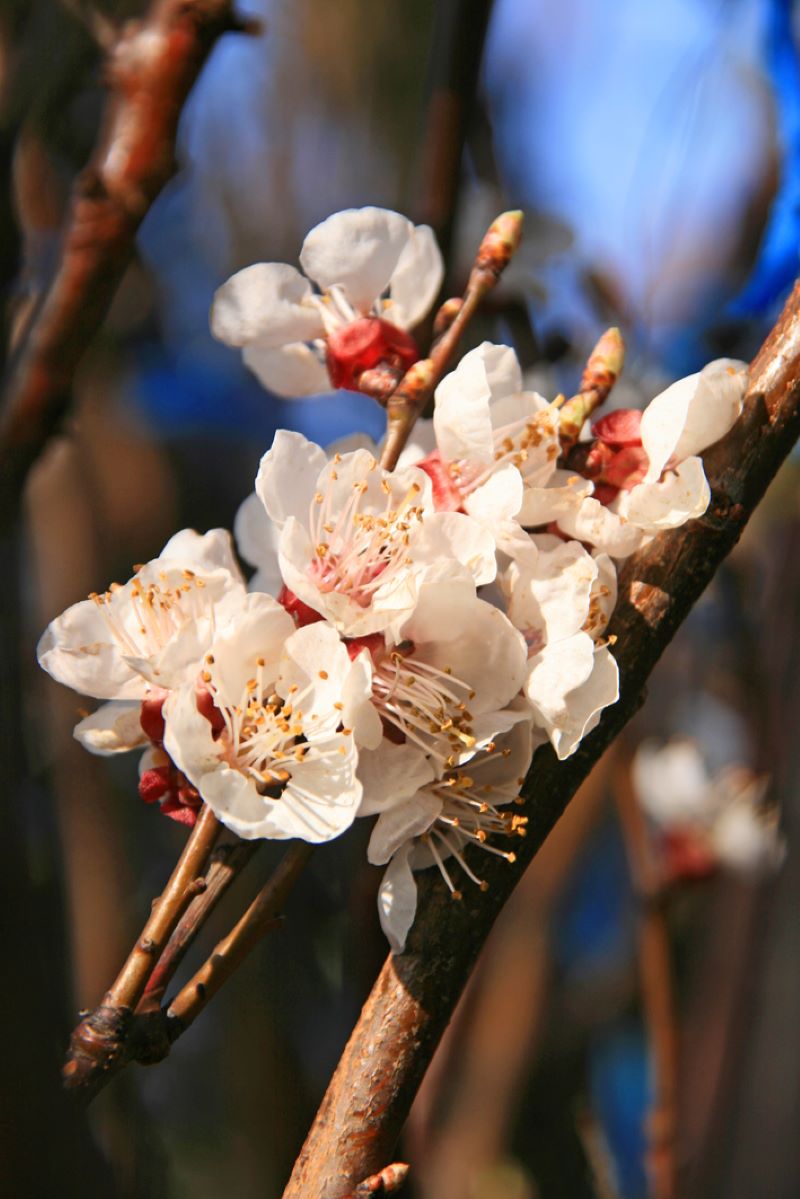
605	363
446	315
600	374
500	243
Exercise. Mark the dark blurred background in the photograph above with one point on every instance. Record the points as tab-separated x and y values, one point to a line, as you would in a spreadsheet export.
656	152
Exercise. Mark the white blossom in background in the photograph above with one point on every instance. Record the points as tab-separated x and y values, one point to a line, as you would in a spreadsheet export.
561	597
655	474
430	821
274	751
489	442
377	274
356	541
706	821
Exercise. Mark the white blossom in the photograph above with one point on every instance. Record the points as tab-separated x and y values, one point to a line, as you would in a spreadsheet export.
686	418
560	597
151	631
377	276
279	759
721	818
492	442
356	541
428	820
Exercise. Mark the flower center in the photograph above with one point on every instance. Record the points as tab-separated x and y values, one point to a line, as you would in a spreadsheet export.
365	343
145	620
471	814
516	443
357	552
428	706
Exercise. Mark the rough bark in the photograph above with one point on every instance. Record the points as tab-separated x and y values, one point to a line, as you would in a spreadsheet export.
382	1066
151	69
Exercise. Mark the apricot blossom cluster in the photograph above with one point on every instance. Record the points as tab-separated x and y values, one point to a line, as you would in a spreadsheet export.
409	638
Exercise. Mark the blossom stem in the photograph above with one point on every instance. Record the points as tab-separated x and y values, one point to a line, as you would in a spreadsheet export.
420	381
655	970
97	1041
259	918
228	862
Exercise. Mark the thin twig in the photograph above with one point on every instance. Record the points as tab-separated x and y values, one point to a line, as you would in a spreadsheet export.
413	998
655	970
228	862
416	388
97	1041
259	918
151	68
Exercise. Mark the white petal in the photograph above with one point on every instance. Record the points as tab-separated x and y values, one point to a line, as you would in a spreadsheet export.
591	521
398	824
391	774
321	800
454	535
462	417
188	736
112	729
568	687
288	475
604	594
458	633
550	592
208	551
683	494
260	631
316	663
269	302
497	500
294	369
257	540
416	279
397	900
692	414
77	649
359	713
359	250
563	492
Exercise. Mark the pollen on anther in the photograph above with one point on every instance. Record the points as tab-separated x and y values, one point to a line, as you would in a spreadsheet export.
323	674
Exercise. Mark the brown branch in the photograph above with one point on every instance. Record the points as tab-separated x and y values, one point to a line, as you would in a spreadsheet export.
151	69
655	971
259	918
97	1044
370	1094
228	862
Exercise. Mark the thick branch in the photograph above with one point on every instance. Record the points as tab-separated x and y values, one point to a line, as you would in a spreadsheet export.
151	70
370	1094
